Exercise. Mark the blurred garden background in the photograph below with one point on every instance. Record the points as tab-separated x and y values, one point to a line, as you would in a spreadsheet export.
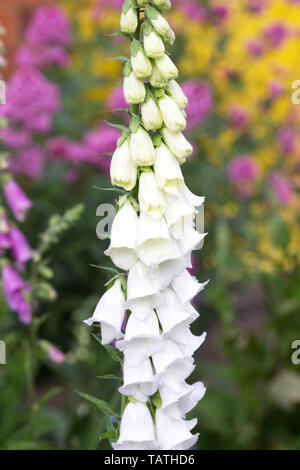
237	61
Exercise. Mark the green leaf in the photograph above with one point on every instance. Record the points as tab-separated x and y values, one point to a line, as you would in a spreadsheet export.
114	353
121	191
106	268
121	58
121	127
110	435
101	405
109	377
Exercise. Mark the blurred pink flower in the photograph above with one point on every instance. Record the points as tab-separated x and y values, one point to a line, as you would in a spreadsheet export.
55	354
116	99
256	6
194	10
28	162
200	102
238	117
40	56
275	89
220	13
49	24
20	247
16	199
276	33
14	289
242	172
101	141
16	138
283	189
286	140
4	233
255	47
31	100
100	6
71	176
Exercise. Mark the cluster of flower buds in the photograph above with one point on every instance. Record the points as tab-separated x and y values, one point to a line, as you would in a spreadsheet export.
147	309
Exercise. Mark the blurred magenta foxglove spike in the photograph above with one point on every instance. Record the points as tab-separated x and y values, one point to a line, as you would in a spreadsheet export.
14	289
20	247
17	200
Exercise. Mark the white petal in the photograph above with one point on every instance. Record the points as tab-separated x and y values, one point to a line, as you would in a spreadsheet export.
186	286
173	433
139	380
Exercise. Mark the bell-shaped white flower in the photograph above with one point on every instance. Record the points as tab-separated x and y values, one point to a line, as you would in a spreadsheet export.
141	148
172	313
139	381
184	399
153	239
110	312
122	168
168	356
177	94
173	117
136	430
133	89
142	292
153	44
151	115
123	237
159	23
164	273
156	79
142	339
187	342
167	170
186	286
176	373
189	238
140	63
166	67
192	398
173	434
177	143
176	209
129	20
151	198
191	199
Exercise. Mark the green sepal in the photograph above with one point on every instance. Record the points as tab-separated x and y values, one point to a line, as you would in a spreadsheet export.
121	127
135	47
156	140
123	137
148	29
127	69
151	13
127	5
158	93
121	58
101	405
156	400
135	122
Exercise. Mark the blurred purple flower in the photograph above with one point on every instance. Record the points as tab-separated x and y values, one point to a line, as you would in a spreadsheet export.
55	354
200	102
255	47
192	9
256	6
31	100
283	189
276	33
101	141
17	200
285	138
16	138
41	56
242	172
275	89
220	13
238	117
49	24
100	5
116	99
20	247
14	289
28	162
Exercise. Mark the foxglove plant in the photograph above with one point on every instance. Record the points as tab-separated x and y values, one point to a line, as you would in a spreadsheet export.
147	309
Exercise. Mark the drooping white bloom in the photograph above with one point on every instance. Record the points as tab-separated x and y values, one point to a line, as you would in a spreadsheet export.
172	115
166	67
154	245
177	94
176	209
142	293
129	21
188	237
156	79
110	312
153	44
123	237
187	342
173	434
139	380
172	312
151	198
140	63
122	168
141	148
151	115
164	273
186	286
170	37
177	143
167	170
159	23
133	89
191	199
137	430
142	339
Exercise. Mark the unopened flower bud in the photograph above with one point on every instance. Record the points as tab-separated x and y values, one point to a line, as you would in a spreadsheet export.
166	67
172	115
122	168
151	115
141	148
153	44
140	63
129	19
177	94
133	89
